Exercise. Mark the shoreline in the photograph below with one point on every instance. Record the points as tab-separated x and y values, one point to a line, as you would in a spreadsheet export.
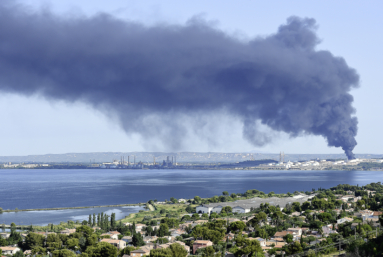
69	208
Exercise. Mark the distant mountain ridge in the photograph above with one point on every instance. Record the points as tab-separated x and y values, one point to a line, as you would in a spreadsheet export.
208	157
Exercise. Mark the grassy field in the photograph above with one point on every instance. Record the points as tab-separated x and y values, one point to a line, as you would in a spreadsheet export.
172	209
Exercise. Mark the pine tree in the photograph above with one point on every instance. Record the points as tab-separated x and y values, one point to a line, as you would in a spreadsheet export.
113	221
90	220
94	220
98	219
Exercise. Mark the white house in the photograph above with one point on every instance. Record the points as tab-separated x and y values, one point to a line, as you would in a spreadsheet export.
9	250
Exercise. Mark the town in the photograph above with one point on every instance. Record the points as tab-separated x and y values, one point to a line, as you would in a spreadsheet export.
340	220
171	163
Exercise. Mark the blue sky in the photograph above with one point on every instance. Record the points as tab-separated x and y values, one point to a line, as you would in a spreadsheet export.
33	125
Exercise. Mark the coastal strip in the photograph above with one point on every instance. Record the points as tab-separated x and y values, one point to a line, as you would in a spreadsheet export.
81	207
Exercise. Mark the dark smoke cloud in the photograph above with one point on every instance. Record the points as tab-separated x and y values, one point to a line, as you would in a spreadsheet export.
151	77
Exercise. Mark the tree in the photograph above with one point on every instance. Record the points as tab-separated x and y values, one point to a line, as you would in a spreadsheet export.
178	250
225	193
237	226
293	248
164	230
126	251
137	240
175	250
102	249
227	209
233	195
249	247
34	240
90	220
197	199
17	254
94	220
305	206
113	221
63	253
53	241
73	244
262	233
288	238
38	250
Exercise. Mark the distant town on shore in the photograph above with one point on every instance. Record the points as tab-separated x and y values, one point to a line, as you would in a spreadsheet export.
194	160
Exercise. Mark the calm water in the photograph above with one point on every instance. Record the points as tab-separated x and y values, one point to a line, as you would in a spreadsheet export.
42	218
70	188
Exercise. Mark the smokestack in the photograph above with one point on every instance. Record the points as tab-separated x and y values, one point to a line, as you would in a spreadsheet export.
128	160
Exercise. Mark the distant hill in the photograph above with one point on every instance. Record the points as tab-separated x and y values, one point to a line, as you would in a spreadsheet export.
210	157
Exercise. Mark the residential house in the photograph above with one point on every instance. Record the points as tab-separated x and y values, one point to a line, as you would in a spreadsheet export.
327	230
201	244
127	239
109	235
139	252
5	235
139	227
9	250
177	232
68	231
120	244
343	220
296	231
149	239
261	241
282	234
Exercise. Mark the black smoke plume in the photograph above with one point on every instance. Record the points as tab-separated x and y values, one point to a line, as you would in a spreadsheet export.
151	77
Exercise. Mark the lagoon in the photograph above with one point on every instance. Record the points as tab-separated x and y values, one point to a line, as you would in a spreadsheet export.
50	188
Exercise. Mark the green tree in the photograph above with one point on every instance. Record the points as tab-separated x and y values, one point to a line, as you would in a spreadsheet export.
113	221
137	240
288	238
53	242
293	248
102	249
262	233
38	250
94	220
164	230
197	199
237	226
34	240
249	247
17	254
126	251
73	244
90	220
225	193
63	253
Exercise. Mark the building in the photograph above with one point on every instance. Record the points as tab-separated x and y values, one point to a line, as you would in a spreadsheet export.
282	234
120	244
67	231
296	231
201	244
9	250
245	206
139	252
